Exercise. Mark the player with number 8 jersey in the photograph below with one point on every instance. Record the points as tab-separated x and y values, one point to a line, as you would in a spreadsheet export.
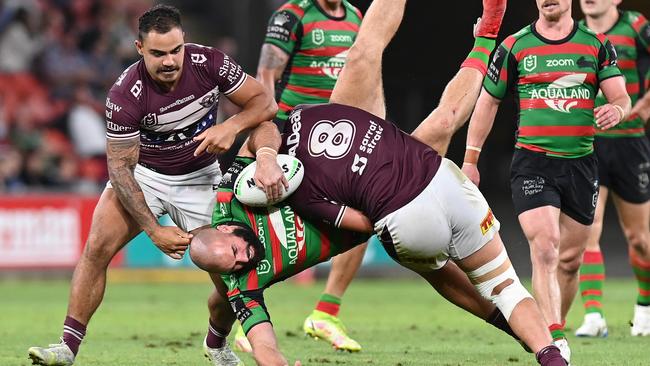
356	149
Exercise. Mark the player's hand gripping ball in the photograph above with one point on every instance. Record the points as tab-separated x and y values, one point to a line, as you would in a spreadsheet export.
249	194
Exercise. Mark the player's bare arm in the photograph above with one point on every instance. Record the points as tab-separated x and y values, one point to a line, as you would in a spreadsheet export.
355	220
480	126
265	346
263	144
272	63
257	105
618	108
122	156
642	108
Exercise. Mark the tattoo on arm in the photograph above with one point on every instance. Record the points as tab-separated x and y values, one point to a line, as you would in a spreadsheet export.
273	58
122	156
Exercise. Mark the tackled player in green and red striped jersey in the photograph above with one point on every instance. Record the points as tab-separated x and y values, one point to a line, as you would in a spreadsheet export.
289	244
555	67
623	154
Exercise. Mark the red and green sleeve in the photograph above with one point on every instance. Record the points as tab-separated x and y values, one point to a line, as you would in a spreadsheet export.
607	59
283	27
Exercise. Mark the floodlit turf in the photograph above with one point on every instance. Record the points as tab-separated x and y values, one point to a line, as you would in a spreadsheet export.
399	322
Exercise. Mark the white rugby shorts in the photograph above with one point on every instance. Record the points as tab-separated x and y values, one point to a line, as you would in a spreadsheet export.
188	198
449	219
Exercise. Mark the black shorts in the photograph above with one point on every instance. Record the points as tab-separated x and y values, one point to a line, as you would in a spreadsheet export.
624	166
571	185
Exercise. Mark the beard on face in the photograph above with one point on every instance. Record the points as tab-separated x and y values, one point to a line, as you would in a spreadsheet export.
553	17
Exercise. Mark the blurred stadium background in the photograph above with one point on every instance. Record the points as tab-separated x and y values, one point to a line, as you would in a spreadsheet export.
58	58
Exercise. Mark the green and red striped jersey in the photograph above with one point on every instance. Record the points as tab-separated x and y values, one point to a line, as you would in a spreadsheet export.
317	45
631	38
291	245
555	83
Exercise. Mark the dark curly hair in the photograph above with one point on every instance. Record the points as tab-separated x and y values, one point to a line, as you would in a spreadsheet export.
160	19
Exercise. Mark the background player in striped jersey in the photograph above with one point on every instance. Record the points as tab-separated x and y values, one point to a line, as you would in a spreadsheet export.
160	118
303	52
459	223
555	67
623	166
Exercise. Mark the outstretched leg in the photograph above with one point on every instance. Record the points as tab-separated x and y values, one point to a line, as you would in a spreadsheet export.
359	85
491	272
461	93
360	82
452	283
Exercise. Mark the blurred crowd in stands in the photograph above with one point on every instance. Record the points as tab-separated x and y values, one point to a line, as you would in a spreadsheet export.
58	58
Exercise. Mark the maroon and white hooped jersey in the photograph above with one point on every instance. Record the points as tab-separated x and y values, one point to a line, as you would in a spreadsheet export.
353	158
165	121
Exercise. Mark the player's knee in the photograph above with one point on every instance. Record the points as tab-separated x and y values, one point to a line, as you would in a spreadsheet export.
571	259
511	295
498	282
219	307
638	241
570	264
99	249
545	252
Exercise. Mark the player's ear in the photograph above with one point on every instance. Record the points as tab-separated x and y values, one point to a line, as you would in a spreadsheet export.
226	228
138	46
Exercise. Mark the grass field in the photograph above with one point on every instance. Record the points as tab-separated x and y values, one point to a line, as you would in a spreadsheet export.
400	322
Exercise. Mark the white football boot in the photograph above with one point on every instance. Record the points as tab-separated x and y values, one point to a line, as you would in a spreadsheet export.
594	325
641	322
565	351
223	356
58	354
